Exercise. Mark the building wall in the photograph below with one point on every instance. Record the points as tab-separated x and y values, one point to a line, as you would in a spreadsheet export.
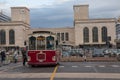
99	23
20	14
81	12
70	31
20	33
20	23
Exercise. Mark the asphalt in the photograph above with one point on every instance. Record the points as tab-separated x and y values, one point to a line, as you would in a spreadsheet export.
65	71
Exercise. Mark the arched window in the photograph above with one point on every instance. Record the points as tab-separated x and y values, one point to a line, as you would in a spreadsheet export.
86	34
11	36
2	37
95	34
104	34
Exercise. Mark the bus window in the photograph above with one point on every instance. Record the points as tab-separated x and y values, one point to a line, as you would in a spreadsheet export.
32	42
50	42
40	43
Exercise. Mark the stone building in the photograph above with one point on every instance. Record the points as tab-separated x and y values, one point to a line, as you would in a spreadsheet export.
14	33
85	32
93	32
117	40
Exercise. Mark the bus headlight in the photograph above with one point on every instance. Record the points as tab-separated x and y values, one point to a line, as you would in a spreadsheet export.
54	58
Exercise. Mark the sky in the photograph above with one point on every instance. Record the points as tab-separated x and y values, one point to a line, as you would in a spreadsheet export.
59	13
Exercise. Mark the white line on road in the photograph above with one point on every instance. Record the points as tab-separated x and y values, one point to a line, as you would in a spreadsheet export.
74	66
61	66
115	65
101	66
88	66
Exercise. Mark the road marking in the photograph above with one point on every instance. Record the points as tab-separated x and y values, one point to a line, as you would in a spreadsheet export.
53	74
61	66
101	66
74	66
10	68
61	75
115	66
88	66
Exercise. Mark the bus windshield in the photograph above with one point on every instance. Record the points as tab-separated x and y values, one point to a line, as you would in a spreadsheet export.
41	43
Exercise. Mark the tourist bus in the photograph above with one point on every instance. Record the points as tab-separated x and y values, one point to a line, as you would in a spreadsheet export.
42	48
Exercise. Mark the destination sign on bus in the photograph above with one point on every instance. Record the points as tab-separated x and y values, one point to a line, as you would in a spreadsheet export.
40	38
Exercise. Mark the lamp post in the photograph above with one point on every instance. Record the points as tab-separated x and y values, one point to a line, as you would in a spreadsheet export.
108	41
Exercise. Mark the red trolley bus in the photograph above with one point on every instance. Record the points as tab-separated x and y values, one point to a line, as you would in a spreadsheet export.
42	49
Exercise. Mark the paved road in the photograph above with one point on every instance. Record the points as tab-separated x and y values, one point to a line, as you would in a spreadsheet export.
65	71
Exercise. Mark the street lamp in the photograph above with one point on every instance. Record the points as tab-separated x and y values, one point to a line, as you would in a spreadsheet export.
108	41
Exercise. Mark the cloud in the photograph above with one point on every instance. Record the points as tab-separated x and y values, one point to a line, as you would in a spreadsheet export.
61	1
2	4
105	9
4	8
56	16
59	13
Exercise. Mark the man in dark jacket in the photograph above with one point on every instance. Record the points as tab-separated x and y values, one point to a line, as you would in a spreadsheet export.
3	56
24	57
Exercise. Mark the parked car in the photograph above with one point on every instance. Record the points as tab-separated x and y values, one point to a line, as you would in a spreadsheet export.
65	54
98	55
107	52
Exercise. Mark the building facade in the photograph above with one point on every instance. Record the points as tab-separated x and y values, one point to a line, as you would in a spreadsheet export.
14	33
85	32
93	32
118	33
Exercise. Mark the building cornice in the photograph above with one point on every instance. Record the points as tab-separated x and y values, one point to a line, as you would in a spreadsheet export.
51	28
14	23
103	20
20	8
80	5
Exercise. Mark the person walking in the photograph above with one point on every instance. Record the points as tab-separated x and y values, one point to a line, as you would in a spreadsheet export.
7	57
24	56
3	56
15	56
85	58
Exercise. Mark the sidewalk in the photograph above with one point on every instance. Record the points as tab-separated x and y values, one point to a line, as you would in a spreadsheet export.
88	59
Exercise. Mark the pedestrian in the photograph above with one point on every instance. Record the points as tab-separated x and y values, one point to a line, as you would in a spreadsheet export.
3	56
15	56
85	58
7	57
24	56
